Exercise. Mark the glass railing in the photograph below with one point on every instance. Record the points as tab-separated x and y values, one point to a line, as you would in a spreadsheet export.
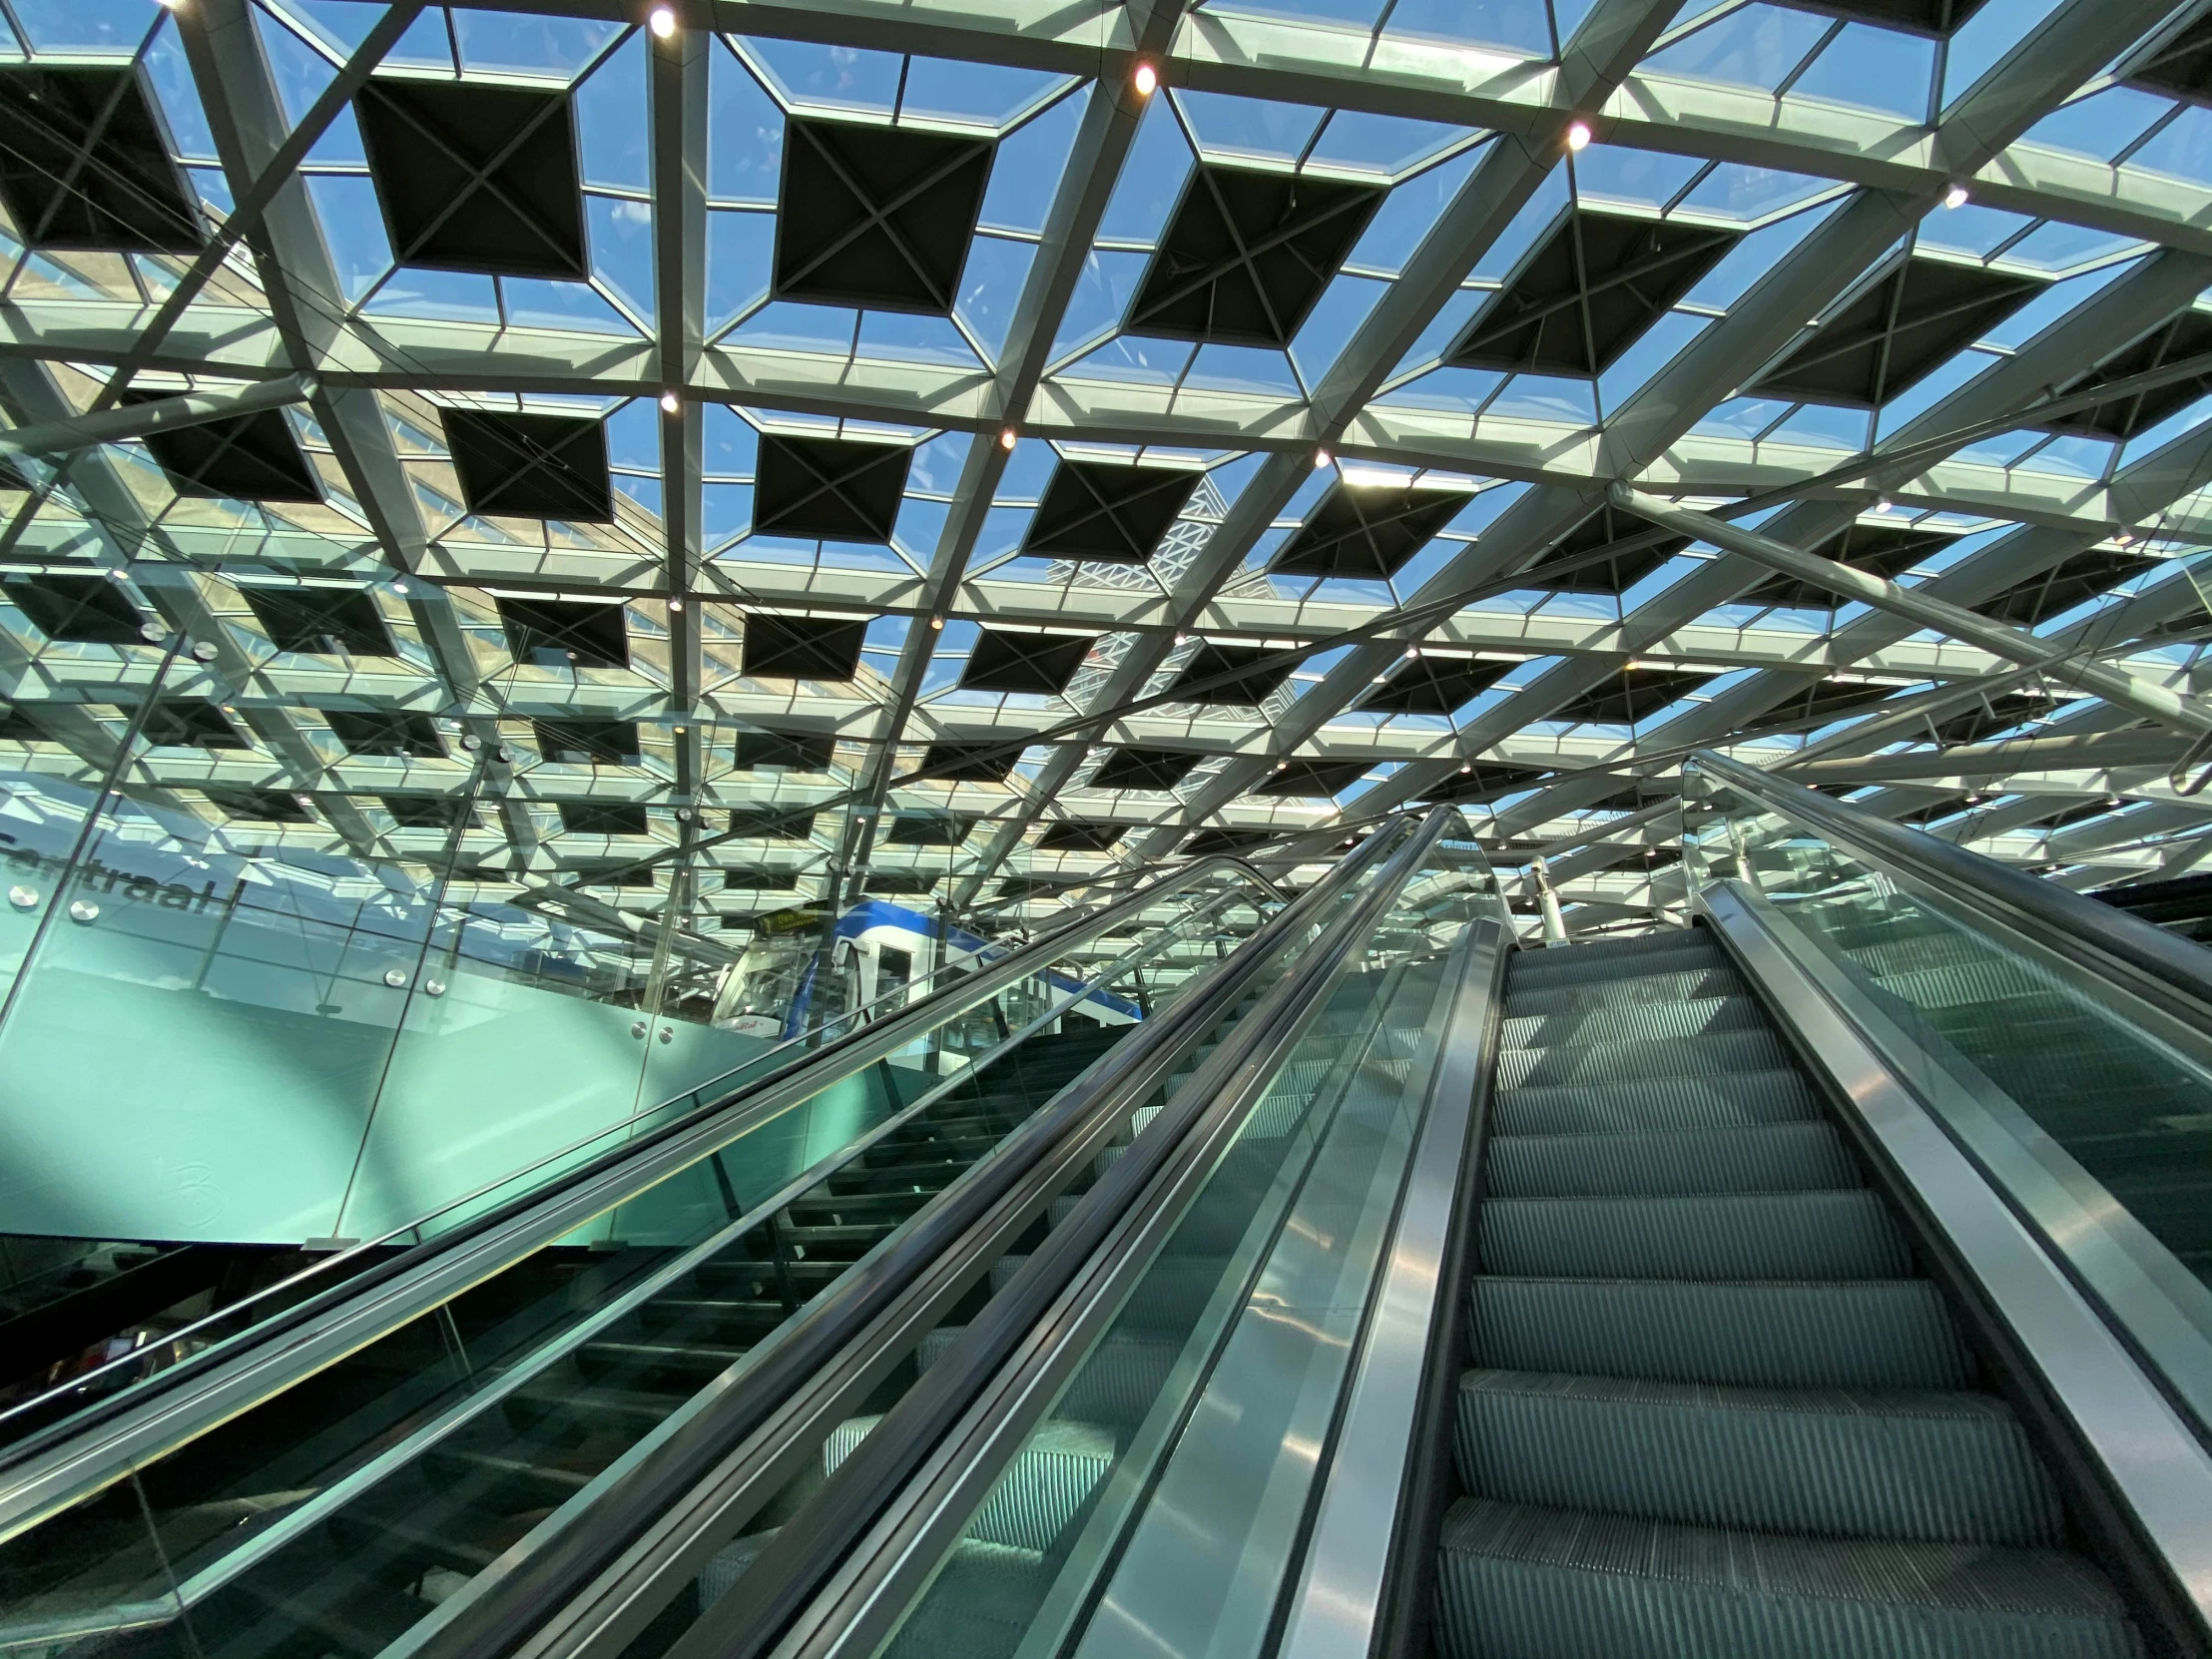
2088	1105
680	1625
945	1036
1160	1503
364	1499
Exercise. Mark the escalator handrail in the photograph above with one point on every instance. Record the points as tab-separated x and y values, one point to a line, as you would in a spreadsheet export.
809	1547
493	1624
332	1497
80	1452
2056	918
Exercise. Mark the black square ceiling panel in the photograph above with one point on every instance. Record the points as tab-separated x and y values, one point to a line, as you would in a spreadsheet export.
1990	717
925	828
1079	836
531	466
1585	293
1247	684
85	610
898	883
249	457
1631	695
387	731
2066	584
189	722
1223	842
1038	664
1613	573
1904	325
1921	17
476	177
1434	684
2186	335
1246	254
1138	767
981	763
778	646
1821	701
755	878
1313	777
787	751
83	163
258	805
588	743
772	824
829	489
1367	530
1885	550
1107	514
1485	781
877	217
563	632
603	818
321	622
429	811
2180	67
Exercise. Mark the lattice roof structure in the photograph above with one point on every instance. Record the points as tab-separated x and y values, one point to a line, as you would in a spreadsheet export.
768	451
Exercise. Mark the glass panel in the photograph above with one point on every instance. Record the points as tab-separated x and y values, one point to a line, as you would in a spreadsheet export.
372	1494
1160	1502
2090	1109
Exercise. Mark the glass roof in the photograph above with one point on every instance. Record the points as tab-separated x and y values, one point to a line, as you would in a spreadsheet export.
962	451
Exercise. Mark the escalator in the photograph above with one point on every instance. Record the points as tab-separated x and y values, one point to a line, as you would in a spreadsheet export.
1822	1277
1712	1404
327	1483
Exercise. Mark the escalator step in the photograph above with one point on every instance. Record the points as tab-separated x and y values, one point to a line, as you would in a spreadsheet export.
987	1598
1719	1101
357	1613
489	1474
1633	1023
1871	1334
1757	1050
577	1409
1555	969
1524	1581
1041	1490
1665	987
1782	1157
1731	1236
1926	1467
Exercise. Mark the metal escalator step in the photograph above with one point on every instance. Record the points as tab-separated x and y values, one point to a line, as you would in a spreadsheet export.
484	1475
1039	1492
1586	964
1757	1050
983	1602
1766	1158
1668	986
354	1613
1865	1334
383	1541
1828	1462
1634	1022
1832	1235
1516	1581
1640	1103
